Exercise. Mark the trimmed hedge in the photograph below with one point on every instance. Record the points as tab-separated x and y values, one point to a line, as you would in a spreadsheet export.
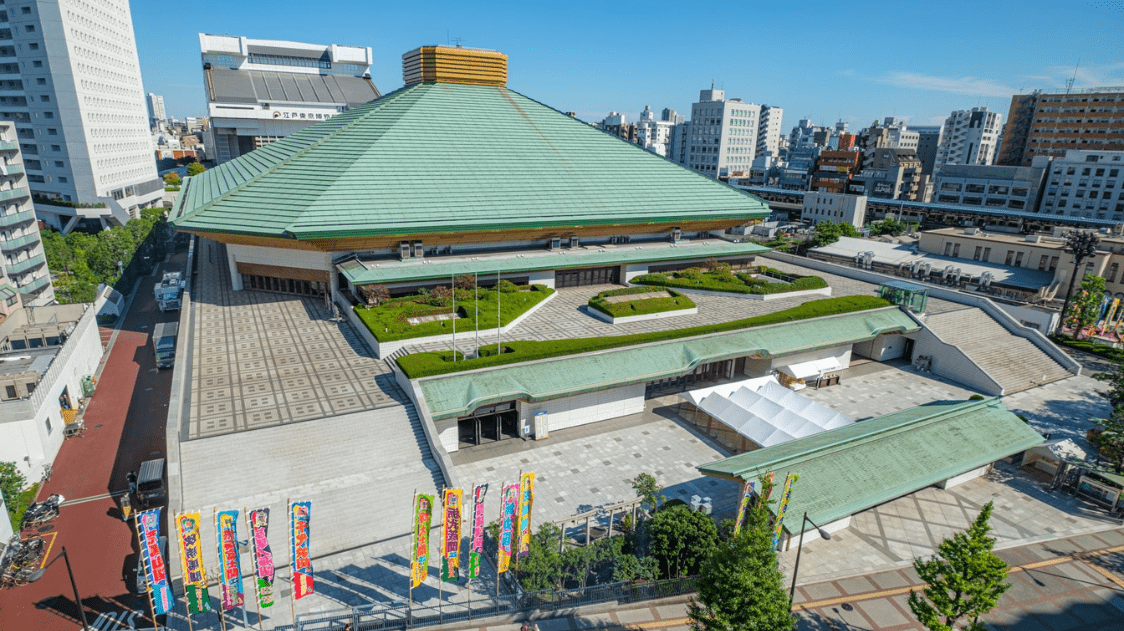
1090	346
419	365
740	283
642	306
391	316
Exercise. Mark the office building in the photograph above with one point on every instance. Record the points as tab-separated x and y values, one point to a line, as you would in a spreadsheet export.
1051	124
655	135
928	139
78	104
724	135
970	137
679	143
834	170
769	131
889	134
1086	184
891	174
24	264
156	113
833	207
259	91
991	186
617	124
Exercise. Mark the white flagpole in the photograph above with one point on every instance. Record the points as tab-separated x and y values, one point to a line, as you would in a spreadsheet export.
453	291
476	288
498	328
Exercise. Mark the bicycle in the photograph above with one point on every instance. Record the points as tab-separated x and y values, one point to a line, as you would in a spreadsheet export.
48	470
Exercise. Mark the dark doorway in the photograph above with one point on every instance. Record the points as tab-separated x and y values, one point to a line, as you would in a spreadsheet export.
488	424
589	276
907	354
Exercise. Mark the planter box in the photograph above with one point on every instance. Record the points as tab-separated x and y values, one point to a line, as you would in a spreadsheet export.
384	349
823	291
601	315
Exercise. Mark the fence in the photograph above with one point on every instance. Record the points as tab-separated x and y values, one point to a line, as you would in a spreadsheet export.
402	616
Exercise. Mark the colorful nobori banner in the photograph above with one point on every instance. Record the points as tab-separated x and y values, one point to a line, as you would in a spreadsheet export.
300	514
509	504
191	555
451	535
230	572
155	571
743	506
419	556
263	555
782	507
767	487
476	545
526	501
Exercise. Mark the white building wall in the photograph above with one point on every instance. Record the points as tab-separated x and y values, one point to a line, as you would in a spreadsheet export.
585	408
835	207
769	131
20	242
723	134
970	137
303	259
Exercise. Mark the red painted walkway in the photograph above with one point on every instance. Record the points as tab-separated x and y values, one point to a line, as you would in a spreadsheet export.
125	423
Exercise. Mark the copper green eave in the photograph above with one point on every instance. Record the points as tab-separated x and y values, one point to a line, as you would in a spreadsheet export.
441	158
450	396
850	469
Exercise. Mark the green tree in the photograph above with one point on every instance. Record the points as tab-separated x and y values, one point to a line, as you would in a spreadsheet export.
542	567
648	490
965	579
1109	437
172	179
680	540
828	232
891	226
740	587
195	168
1085	308
11	484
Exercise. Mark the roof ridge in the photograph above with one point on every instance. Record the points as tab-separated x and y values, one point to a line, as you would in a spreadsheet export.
289	159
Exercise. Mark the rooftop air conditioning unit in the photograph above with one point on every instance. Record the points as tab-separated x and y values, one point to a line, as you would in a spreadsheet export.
404	250
418	251
676	235
555	243
575	242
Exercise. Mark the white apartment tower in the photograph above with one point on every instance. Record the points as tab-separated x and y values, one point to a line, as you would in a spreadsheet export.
156	113
723	140
73	89
655	135
970	137
769	131
24	263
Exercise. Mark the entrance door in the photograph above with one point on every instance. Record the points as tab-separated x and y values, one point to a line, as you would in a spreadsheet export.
509	424
489	428
588	276
907	354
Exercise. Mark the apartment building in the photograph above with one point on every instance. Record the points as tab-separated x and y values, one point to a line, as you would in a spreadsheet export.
834	170
769	131
261	90
990	186
74	91
970	137
1086	184
726	134
24	262
1050	124
891	174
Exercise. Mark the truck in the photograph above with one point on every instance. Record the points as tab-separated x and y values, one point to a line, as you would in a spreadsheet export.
169	291
164	343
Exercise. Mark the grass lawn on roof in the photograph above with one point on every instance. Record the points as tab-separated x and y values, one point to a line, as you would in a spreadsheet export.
389	321
669	301
759	280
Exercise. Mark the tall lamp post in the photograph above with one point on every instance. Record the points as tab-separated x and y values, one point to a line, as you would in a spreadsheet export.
38	574
800	548
1081	245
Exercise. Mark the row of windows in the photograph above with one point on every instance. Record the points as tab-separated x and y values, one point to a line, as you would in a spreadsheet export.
79	35
120	64
130	174
1088	170
106	163
101	117
113	13
104	73
122	30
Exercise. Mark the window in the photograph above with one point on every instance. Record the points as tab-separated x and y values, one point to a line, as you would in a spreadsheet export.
30	388
40	81
1112	269
1019	260
1053	263
30	28
48	114
10	391
46	98
52	131
59	164
947	248
1045	260
956	250
976	256
62	179
1010	257
33	46
37	64
25	10
48	424
56	148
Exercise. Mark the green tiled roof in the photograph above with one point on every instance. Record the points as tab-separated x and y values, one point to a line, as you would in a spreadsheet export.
850	469
458	394
413	270
437	157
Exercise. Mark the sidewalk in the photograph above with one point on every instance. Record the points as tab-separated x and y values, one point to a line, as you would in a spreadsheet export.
1071	583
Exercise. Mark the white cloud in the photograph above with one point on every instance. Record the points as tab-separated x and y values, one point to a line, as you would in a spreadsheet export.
973	86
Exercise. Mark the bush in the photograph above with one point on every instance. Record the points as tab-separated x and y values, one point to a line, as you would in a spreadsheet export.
465	281
642	306
739	283
976	397
680	540
507	287
419	365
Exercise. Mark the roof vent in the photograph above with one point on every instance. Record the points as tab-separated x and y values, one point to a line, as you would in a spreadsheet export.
449	64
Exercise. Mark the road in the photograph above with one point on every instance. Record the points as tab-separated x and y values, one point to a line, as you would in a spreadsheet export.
125	422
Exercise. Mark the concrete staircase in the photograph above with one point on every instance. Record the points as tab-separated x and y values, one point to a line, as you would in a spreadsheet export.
1015	362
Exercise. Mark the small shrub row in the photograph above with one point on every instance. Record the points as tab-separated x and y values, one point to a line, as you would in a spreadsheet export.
389	321
419	365
727	281
1090	346
642	306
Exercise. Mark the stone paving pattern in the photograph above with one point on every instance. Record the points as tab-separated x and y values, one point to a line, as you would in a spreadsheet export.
262	359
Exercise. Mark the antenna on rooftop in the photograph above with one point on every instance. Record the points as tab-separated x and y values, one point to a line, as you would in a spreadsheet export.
457	41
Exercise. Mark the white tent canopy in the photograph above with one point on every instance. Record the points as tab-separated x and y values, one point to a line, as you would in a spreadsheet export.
814	368
765	412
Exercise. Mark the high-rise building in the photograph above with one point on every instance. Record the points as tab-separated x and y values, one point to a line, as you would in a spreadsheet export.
969	137
928	139
655	135
260	90
724	135
1050	124
1086	184
769	130
74	92
156	113
24	263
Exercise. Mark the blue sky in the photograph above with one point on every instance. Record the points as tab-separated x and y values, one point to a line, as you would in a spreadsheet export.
823	60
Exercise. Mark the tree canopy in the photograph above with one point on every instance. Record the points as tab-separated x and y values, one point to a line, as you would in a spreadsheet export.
195	168
680	540
1085	308
828	232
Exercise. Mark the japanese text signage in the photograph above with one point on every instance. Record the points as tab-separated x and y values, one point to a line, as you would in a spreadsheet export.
154	568
226	525
299	516
191	554
419	562
451	535
476	544
509	505
526	501
263	555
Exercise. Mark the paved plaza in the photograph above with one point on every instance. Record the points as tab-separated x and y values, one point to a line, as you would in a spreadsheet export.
263	359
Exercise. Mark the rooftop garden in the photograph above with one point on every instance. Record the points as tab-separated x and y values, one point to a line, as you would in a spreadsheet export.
419	365
755	280
430	312
616	302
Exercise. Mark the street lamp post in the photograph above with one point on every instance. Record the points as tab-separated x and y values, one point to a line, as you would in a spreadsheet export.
38	574
1081	245
800	548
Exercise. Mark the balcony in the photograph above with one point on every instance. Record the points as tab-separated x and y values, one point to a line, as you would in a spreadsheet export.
23	266
12	245
36	286
9	144
15	219
12	169
15	193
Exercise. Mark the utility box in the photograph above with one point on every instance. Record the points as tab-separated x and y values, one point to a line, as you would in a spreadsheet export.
541	428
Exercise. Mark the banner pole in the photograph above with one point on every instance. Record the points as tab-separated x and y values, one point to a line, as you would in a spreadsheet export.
222	572
442	564
245	619
140	546
292	564
413	554
254	560
453	293
499	538
183	560
515	532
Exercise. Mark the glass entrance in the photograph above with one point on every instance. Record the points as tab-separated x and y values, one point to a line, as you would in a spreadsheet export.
589	276
488	424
